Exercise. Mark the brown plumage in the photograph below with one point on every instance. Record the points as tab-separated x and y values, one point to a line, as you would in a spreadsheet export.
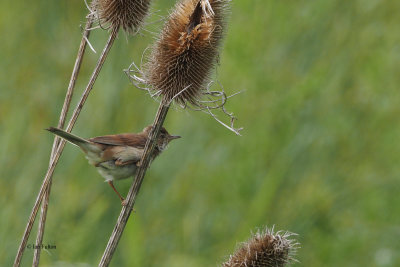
186	52
128	14
116	156
135	140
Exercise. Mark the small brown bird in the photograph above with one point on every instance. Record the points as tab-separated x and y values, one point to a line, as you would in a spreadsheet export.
116	156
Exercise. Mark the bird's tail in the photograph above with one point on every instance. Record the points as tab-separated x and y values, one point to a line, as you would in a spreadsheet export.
76	140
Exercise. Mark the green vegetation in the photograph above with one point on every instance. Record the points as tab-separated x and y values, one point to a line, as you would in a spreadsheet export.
319	155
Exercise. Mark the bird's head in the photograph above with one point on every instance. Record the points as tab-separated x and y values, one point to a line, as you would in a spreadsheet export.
163	138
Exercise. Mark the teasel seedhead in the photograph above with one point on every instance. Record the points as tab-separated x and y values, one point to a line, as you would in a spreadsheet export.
181	61
128	14
265	249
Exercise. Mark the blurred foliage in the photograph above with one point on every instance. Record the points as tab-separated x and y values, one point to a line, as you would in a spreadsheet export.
319	155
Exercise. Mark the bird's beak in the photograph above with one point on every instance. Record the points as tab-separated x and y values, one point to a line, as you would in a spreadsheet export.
172	137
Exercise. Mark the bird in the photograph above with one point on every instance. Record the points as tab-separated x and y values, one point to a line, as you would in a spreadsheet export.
117	156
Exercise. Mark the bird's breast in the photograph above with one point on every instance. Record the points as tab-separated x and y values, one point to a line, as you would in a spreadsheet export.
112	172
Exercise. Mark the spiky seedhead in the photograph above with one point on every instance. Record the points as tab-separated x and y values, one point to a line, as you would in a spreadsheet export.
264	249
128	14
184	55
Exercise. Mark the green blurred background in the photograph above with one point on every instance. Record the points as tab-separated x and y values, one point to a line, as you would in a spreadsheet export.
319	155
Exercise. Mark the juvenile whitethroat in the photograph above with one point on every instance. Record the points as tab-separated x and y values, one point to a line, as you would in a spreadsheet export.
117	156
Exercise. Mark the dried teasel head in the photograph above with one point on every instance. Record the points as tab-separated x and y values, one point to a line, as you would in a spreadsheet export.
128	14
265	249
181	61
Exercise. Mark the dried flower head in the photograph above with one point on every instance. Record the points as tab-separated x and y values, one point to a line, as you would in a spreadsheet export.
265	249
180	62
128	14
183	57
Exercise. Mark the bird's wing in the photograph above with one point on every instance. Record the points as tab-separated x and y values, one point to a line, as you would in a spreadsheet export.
128	155
134	140
122	155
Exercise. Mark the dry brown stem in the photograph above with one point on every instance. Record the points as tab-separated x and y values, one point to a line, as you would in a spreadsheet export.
57	154
61	122
135	187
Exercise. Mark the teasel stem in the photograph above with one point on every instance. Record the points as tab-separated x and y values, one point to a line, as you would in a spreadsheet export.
42	224
135	187
64	111
47	180
61	122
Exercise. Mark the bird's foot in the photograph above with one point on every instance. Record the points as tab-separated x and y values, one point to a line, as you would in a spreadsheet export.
125	202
